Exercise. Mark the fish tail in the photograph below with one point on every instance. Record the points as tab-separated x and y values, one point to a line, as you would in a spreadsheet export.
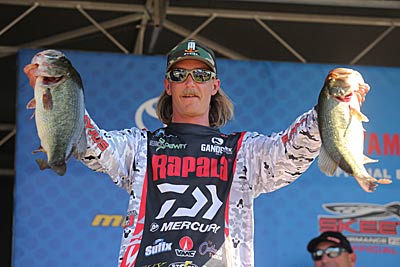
59	168
394	208
367	182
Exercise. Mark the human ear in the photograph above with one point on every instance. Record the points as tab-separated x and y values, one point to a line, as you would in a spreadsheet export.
167	87
216	85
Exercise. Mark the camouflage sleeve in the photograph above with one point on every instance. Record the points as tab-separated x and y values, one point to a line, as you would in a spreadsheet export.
113	152
277	160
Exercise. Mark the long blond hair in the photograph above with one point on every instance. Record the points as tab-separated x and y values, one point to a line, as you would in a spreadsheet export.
221	109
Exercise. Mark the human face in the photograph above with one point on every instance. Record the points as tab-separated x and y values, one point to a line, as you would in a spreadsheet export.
344	260
191	99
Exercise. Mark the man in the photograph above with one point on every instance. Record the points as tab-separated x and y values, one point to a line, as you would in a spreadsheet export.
192	187
331	249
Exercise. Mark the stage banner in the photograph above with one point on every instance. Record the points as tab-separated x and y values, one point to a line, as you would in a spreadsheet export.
77	219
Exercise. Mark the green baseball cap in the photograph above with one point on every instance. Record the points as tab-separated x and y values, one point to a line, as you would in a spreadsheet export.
191	49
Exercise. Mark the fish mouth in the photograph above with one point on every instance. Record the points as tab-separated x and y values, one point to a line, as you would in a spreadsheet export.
346	98
51	80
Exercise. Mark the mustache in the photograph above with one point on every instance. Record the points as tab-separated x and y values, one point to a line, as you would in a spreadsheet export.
190	92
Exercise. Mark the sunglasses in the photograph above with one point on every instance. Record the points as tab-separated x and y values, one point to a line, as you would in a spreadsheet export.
331	252
198	75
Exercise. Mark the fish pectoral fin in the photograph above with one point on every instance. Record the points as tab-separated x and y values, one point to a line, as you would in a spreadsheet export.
384	181
358	115
369	160
40	149
47	100
325	162
80	149
31	104
42	163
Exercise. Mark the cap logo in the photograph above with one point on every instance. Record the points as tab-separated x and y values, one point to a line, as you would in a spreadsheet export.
333	239
191	48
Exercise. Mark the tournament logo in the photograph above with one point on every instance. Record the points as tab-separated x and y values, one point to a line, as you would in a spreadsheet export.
147	108
375	227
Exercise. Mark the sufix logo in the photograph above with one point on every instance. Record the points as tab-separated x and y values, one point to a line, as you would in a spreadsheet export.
369	224
159	246
186	244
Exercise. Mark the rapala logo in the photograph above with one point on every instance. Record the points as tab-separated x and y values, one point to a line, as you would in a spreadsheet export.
115	220
365	223
172	166
94	134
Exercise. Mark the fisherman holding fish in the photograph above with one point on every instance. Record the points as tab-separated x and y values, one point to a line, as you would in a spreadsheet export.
200	188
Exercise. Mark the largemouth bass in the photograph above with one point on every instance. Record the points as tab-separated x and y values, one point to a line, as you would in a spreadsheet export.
340	126
59	109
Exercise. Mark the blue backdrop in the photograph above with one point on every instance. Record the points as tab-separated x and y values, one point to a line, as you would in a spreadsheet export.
58	219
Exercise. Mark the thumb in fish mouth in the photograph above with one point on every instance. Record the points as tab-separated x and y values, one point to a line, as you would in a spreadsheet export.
362	91
30	70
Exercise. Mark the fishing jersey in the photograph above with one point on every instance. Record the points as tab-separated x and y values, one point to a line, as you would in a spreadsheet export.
191	188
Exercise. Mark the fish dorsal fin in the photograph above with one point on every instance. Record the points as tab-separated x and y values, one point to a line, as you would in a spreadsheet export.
325	163
358	115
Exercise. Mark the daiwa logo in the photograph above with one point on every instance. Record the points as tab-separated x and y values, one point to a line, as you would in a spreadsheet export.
159	246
